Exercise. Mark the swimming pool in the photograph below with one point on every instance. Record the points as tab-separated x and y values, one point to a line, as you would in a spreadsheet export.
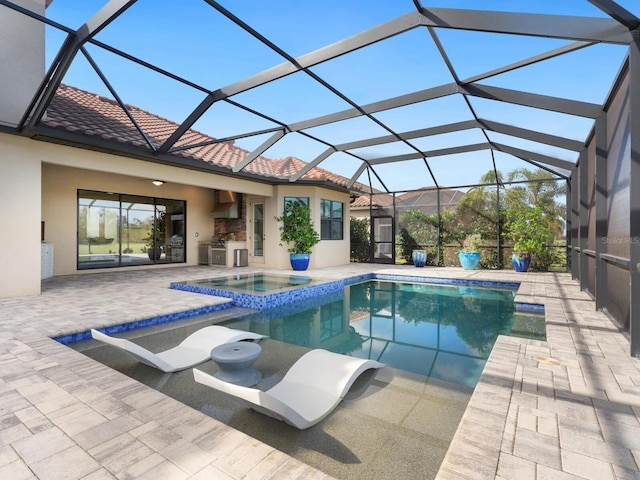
443	331
439	331
434	340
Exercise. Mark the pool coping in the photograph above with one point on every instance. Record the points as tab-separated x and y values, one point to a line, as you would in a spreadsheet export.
145	322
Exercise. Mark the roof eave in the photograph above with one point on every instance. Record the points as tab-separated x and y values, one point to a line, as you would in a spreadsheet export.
77	140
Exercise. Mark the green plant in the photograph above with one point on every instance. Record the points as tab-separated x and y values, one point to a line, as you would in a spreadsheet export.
528	229
359	238
297	229
156	235
472	243
417	230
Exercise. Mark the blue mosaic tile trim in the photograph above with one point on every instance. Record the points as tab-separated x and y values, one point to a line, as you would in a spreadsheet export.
289	297
265	316
147	322
529	307
289	302
360	278
263	302
448	281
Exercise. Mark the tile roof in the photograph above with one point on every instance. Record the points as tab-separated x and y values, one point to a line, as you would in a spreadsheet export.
377	201
425	200
85	113
422	198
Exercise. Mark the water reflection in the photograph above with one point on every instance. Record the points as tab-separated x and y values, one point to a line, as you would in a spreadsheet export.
442	331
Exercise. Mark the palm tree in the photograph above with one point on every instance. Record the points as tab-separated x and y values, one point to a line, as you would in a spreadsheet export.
541	190
477	210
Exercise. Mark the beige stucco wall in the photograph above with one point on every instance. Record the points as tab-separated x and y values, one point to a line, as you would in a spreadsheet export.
20	220
40	181
327	253
102	162
66	169
59	208
361	214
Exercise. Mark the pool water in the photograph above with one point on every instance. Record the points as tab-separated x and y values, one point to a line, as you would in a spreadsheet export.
439	331
434	339
254	282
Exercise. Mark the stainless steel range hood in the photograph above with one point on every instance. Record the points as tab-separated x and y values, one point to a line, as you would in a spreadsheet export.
227	204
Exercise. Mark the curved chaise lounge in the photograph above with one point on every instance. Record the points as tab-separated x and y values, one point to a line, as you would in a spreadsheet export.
310	390
194	349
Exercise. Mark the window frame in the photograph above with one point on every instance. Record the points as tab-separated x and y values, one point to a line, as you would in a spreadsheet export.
331	227
116	255
303	200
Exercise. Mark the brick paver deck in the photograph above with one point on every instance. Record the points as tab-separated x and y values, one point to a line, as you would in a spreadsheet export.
562	409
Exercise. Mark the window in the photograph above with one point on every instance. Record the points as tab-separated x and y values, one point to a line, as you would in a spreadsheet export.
303	200
116	230
331	220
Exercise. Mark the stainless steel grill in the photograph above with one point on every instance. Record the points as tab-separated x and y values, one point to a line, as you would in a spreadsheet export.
213	252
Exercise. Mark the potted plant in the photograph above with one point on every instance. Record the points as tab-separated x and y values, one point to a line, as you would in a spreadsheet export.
529	231
419	258
469	256
521	255
155	240
298	231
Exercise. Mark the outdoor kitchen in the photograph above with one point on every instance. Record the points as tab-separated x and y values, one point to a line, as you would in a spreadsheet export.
227	247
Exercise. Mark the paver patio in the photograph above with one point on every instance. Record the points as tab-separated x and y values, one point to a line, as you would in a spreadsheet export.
562	409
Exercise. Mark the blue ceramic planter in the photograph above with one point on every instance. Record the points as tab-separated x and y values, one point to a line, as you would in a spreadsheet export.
521	261
299	261
419	258
469	260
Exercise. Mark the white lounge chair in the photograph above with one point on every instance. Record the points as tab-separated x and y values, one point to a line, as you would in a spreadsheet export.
310	390
194	349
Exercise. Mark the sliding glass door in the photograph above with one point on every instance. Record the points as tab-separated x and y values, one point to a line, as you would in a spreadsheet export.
116	230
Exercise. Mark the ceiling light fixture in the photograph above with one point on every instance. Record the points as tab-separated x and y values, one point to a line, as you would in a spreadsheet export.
157	183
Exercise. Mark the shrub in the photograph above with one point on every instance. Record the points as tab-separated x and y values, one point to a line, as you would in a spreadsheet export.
360	241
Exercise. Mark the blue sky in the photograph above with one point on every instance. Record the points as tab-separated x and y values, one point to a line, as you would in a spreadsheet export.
194	41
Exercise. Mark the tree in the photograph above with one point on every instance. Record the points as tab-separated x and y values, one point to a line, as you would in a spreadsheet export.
541	190
416	230
477	211
360	241
529	228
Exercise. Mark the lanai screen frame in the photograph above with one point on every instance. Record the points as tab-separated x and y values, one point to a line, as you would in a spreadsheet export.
622	28
582	30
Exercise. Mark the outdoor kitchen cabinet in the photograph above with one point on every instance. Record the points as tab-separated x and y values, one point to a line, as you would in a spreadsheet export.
222	253
209	254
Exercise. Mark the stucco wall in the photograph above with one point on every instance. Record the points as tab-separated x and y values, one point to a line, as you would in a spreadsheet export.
40	181
20	220
59	208
327	253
